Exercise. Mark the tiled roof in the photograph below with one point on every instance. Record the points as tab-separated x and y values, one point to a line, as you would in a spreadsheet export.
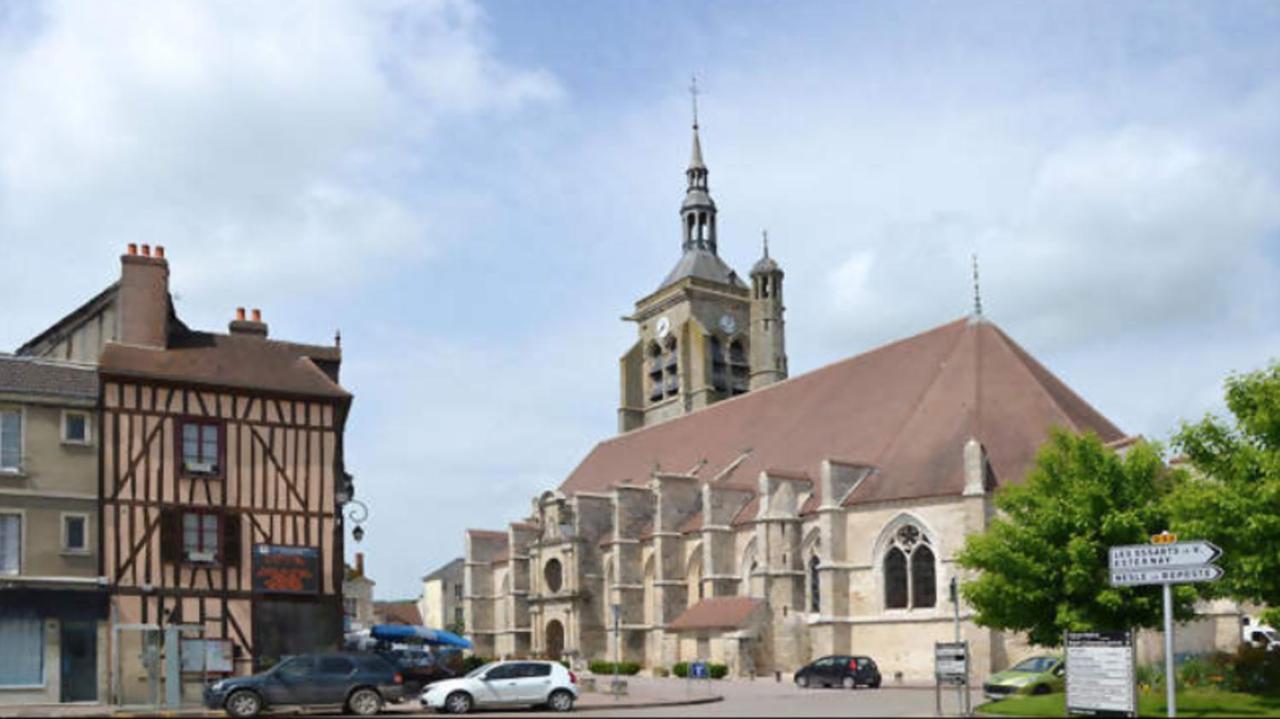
454	565
718	613
907	408
31	375
692	524
229	360
402	612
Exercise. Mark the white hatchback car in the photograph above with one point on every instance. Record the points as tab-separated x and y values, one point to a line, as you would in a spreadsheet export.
504	684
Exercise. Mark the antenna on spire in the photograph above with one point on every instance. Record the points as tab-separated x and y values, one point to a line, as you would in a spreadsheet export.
693	93
765	242
977	289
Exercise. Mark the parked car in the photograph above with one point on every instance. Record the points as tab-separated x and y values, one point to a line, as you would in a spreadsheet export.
839	671
1259	635
359	683
505	684
1033	675
421	668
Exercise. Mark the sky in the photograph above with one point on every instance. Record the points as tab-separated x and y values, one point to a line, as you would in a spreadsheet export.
474	194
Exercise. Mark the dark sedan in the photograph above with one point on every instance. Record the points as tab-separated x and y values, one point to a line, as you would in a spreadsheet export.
359	683
839	671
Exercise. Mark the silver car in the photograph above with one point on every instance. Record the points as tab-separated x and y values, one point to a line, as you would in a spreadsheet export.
530	683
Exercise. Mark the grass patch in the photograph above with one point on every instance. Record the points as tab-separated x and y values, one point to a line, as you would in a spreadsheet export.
1191	703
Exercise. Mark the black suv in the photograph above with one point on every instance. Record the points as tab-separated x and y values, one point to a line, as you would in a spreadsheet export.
839	671
359	683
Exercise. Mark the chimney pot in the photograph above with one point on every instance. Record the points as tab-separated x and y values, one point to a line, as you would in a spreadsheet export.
360	563
133	248
146	250
240	314
257	315
160	251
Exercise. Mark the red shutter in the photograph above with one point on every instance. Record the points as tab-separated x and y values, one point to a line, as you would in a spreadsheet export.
170	535
231	540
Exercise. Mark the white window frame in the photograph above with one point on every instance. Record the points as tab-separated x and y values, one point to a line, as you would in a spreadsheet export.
22	441
22	539
88	427
67	549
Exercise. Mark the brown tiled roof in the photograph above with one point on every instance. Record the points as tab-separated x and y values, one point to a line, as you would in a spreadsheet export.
692	524
402	612
30	375
239	361
907	408
718	613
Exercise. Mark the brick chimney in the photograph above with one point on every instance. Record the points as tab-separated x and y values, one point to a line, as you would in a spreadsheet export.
144	297
360	564
241	326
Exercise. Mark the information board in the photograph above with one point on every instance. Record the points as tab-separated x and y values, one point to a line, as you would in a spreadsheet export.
951	662
206	655
286	570
1100	674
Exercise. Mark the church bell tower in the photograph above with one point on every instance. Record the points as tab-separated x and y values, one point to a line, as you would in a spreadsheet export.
768	341
698	330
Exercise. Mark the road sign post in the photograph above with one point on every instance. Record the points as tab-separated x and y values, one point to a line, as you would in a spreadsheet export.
1166	562
951	666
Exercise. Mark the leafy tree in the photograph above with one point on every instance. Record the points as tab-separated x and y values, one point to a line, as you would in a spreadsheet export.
1233	496
1043	560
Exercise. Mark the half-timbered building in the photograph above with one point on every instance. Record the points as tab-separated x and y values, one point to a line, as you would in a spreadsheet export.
220	480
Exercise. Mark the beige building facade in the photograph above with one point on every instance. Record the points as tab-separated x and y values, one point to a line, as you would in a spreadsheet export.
53	603
762	521
441	600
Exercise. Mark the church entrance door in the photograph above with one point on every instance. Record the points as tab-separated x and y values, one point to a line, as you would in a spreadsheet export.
555	639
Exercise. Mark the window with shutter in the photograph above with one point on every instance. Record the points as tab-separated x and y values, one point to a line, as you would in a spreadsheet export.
200	446
231	540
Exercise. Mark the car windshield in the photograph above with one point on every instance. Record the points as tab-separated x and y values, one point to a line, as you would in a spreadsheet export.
481	670
1035	665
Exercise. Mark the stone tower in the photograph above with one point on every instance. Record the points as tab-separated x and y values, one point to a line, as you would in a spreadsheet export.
694	331
768	342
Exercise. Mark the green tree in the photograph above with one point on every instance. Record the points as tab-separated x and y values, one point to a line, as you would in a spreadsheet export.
1233	495
1042	562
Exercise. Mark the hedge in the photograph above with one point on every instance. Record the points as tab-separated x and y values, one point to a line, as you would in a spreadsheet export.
624	668
717	671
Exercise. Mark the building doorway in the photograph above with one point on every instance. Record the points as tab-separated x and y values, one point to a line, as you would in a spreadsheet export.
555	639
78	644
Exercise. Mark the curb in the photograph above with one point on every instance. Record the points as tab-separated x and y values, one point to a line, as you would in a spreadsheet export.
649	705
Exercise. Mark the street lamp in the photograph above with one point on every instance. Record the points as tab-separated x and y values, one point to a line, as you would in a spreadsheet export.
357	512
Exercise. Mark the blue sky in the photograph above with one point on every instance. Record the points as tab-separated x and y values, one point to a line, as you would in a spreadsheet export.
476	192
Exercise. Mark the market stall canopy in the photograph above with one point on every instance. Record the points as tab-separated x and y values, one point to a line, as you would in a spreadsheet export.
404	632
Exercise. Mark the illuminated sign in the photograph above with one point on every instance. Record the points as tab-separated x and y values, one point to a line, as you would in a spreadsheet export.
286	570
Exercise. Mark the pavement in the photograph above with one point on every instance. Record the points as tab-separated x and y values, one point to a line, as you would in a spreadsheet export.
645	697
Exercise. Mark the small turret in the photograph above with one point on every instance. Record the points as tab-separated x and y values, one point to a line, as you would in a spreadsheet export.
768	340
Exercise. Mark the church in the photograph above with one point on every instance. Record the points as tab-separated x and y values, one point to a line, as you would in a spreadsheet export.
746	517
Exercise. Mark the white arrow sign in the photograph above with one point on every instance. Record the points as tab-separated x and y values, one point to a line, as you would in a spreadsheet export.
1176	575
1159	556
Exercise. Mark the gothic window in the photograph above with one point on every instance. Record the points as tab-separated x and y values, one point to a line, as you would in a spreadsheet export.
738	368
719	368
910	574
671	369
815	586
655	372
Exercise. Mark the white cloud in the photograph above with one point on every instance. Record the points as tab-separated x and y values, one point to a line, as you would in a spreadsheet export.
267	145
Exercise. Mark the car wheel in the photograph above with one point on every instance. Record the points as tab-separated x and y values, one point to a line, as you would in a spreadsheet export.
243	704
364	702
458	703
802	681
849	683
560	701
1041	689
875	684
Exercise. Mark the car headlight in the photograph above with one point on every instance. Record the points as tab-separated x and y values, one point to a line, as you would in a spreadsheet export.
218	685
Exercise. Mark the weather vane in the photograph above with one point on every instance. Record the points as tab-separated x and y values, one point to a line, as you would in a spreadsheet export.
977	293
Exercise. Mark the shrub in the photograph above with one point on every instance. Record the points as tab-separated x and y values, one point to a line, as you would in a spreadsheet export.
661	672
1252	670
624	668
717	671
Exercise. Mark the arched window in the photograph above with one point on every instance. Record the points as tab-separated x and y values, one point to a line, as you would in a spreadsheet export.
655	371
924	588
895	579
739	370
554	575
671	368
910	571
815	585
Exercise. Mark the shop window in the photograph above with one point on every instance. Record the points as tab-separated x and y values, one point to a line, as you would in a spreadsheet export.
22	661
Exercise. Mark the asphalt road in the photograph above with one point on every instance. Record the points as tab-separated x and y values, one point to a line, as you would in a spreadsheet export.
763	698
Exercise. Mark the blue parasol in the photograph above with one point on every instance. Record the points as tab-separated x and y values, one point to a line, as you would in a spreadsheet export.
402	632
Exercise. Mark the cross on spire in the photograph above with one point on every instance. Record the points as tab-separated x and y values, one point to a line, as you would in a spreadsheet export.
693	94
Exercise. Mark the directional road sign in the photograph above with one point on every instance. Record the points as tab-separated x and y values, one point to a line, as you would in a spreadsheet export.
1163	556
1175	575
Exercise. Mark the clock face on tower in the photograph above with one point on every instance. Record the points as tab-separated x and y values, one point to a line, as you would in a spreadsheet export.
664	327
728	324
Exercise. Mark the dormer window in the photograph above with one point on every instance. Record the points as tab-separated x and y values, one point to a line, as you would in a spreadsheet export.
201	448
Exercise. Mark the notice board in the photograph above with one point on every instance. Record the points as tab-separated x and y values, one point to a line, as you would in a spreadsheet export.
1100	674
